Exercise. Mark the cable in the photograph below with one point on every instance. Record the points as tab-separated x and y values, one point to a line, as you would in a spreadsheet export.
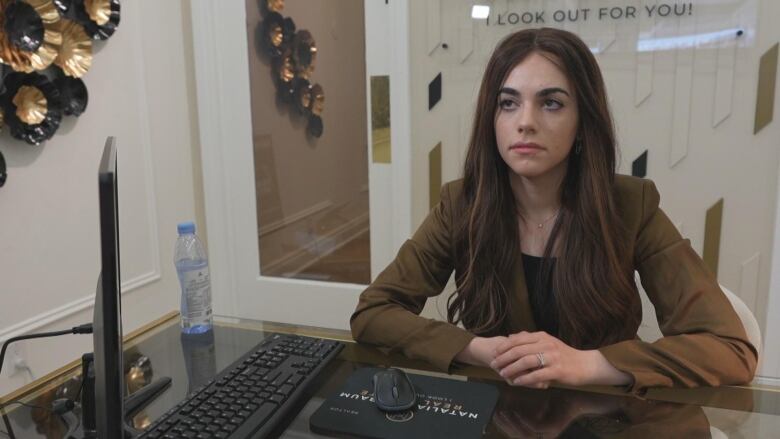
81	329
16	401
65	408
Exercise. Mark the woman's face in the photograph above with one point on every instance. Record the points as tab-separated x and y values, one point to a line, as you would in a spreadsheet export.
536	118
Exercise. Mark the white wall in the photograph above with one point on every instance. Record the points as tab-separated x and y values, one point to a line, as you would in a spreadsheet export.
141	89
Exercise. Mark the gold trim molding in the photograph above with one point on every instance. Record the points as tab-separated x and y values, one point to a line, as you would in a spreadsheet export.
434	175
765	95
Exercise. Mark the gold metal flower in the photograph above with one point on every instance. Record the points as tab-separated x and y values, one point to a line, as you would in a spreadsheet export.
306	98
277	35
31	105
75	56
275	5
46	9
318	99
304	53
99	11
285	69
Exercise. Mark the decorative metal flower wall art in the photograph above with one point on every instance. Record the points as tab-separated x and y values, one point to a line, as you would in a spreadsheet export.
293	56
45	50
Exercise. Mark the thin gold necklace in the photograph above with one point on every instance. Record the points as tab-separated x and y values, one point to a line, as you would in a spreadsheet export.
541	224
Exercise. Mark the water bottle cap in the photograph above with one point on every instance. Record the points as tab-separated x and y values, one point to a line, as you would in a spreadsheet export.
186	227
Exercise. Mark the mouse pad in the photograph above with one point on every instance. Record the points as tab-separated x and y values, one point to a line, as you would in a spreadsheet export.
445	408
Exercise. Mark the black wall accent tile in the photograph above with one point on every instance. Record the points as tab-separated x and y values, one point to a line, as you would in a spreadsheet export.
639	166
434	91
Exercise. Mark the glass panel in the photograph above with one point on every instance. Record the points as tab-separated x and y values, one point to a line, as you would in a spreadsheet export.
307	74
690	90
520	412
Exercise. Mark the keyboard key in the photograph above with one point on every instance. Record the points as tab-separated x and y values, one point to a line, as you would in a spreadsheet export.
285	390
281	379
228	427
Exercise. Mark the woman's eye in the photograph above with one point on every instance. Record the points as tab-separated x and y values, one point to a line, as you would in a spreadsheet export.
506	104
552	104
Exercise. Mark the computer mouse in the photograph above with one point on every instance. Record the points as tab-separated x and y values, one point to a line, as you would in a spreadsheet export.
393	391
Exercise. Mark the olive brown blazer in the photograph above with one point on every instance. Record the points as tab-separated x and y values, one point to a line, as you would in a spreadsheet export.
704	342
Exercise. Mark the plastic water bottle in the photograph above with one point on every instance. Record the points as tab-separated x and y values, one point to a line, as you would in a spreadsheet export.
193	268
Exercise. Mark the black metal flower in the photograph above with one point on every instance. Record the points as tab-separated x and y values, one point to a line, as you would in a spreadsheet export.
301	95
23	26
277	34
269	6
74	95
315	127
29	38
3	170
32	107
64	6
304	53
99	17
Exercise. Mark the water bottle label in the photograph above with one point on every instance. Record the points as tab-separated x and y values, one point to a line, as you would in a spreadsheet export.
197	287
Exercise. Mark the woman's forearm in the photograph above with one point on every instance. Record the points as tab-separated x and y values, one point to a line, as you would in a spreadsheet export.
480	351
602	372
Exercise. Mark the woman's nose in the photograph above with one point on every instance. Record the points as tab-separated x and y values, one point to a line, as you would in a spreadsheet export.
526	118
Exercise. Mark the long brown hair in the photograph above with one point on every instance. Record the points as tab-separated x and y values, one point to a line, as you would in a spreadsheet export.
595	294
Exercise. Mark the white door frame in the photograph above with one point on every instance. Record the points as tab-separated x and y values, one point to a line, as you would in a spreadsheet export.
224	114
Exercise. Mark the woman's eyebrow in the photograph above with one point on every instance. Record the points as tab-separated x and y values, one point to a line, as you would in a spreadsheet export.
544	92
551	90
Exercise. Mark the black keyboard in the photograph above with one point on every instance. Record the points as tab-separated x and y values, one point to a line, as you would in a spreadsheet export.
251	396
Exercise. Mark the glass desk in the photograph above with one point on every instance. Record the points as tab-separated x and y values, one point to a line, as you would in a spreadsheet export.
159	350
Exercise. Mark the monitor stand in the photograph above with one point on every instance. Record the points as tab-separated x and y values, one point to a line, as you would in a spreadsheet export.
133	403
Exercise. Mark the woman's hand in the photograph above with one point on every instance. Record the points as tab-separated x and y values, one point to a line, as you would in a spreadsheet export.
534	359
480	351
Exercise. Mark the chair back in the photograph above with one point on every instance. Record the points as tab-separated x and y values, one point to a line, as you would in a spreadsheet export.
649	330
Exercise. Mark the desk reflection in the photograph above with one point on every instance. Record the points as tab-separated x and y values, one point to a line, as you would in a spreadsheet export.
530	413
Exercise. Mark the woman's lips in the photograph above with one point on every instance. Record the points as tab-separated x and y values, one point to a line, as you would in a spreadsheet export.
525	148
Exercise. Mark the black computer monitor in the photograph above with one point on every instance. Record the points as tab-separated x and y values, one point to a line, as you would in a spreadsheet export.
107	323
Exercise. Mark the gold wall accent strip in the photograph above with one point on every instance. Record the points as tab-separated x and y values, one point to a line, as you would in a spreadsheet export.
765	95
381	147
434	175
712	226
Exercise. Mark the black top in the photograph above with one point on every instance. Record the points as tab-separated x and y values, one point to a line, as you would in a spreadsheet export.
541	295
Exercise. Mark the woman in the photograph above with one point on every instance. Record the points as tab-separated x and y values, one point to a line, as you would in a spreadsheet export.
544	239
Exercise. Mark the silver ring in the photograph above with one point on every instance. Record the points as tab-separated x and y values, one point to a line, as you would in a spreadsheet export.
540	356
